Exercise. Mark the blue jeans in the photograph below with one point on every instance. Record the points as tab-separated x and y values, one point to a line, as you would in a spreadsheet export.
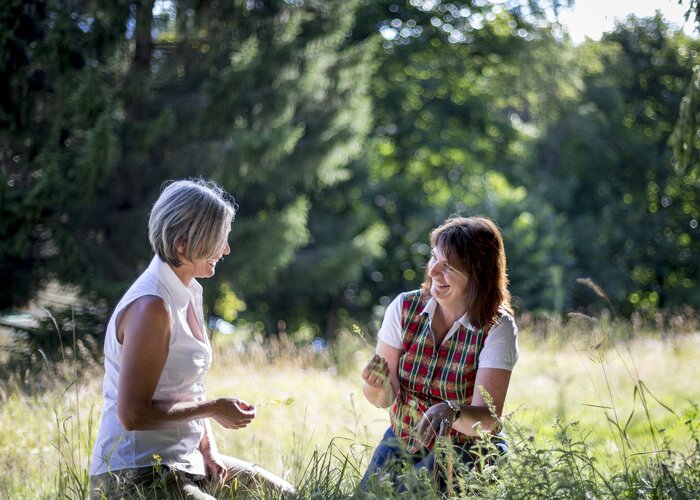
392	457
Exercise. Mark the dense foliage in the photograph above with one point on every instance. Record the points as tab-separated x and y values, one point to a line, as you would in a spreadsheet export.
347	130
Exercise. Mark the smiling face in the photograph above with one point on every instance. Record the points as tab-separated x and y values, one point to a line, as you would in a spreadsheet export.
467	270
207	267
202	267
448	284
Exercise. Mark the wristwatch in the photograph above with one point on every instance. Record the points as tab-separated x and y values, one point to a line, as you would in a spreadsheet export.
456	410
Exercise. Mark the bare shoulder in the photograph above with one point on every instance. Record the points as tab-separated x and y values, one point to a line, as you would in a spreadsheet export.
150	305
147	314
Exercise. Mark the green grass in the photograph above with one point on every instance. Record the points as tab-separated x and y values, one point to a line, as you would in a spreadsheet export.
588	415
576	382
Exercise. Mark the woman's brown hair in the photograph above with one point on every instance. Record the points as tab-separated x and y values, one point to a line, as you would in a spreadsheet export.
474	246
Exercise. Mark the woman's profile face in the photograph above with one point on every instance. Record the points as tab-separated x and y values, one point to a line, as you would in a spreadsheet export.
207	266
449	285
204	267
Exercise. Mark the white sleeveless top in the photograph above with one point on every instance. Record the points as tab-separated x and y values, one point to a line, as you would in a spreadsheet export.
182	380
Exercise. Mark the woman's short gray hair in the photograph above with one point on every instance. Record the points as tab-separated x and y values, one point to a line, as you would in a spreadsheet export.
195	212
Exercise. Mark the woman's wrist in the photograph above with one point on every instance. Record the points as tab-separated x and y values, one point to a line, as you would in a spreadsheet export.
456	409
380	397
208	452
215	405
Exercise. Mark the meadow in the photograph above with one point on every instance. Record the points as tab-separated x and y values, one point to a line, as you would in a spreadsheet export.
596	409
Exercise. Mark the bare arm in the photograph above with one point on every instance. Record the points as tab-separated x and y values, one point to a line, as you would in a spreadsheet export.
495	382
144	331
381	376
212	461
475	417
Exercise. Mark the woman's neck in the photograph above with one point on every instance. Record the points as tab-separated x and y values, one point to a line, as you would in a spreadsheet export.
184	273
442	322
450	314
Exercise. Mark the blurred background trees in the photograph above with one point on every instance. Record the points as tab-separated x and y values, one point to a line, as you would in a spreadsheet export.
347	130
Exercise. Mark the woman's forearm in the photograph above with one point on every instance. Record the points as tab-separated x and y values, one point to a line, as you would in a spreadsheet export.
164	414
475	419
381	398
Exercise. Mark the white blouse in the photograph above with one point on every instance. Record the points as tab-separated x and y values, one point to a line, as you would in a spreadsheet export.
182	379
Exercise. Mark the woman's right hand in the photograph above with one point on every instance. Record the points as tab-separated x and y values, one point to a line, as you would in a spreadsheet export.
233	413
376	373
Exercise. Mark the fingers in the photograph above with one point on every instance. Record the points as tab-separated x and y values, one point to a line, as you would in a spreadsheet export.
435	423
437	427
376	373
240	420
230	424
227	476
427	429
234	413
445	427
212	465
244	408
371	367
220	474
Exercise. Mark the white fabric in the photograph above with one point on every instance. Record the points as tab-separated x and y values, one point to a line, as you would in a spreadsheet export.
500	348
182	379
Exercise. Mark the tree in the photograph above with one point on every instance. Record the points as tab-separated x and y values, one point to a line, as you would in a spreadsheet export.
59	144
267	98
609	168
447	91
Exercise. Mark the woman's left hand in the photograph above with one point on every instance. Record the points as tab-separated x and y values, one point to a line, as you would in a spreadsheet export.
436	422
216	471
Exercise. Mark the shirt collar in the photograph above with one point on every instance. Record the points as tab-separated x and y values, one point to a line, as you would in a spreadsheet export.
181	294
429	309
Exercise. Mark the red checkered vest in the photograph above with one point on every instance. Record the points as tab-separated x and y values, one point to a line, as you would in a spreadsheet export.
429	375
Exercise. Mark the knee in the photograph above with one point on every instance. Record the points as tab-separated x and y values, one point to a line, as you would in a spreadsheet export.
254	478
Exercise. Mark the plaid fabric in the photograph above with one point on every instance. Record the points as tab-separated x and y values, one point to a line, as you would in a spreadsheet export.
429	374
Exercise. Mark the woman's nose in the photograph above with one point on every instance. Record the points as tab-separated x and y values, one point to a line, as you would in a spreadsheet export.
227	249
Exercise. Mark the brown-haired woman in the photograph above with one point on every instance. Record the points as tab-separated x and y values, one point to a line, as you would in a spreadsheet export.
442	348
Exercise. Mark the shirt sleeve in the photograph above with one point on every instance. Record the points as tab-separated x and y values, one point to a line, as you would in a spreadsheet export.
390	331
501	346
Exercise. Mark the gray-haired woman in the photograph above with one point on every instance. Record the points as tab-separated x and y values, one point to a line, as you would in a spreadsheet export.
155	439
